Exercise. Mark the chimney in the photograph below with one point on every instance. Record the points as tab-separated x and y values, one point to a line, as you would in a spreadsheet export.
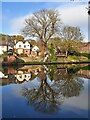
15	41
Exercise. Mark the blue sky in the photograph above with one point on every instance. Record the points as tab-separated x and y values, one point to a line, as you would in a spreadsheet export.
14	14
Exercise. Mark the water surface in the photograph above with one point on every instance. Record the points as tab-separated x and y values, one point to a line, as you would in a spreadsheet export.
55	91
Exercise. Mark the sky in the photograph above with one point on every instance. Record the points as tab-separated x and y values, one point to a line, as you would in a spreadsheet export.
14	14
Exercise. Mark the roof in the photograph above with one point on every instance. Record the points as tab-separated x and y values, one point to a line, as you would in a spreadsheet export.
86	44
23	41
1	44
35	48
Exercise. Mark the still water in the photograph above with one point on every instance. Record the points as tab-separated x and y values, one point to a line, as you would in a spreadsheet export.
40	91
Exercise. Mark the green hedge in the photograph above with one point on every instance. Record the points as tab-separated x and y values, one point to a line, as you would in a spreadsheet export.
74	53
81	54
86	55
86	67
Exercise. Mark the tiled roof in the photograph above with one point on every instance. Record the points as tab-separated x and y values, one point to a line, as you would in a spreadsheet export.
86	44
3	44
23	41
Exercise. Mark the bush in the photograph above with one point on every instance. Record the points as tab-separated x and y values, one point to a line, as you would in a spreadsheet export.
74	53
86	55
18	61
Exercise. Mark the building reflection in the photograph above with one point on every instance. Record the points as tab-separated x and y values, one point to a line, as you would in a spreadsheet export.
11	75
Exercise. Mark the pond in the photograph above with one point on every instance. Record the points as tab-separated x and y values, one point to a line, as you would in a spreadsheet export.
41	91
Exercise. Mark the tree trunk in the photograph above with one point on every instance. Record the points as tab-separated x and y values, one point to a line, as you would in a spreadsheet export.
66	53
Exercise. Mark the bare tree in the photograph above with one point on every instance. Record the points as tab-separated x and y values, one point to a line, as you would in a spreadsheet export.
42	25
71	38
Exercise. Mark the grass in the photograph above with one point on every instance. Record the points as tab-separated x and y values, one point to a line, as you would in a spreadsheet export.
69	59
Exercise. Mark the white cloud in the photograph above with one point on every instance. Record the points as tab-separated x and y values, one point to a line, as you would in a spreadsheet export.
18	23
75	16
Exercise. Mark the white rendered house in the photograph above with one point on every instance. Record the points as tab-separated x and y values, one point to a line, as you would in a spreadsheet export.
22	47
35	49
3	48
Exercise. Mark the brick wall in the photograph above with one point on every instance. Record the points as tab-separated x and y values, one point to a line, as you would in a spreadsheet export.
85	48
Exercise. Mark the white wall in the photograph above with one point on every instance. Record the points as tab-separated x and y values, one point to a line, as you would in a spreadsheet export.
35	48
22	77
18	44
26	45
3	48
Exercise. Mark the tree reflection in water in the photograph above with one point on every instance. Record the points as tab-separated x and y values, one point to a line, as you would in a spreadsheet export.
69	84
44	99
48	97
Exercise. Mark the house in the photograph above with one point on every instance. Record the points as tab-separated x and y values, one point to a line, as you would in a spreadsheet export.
19	47
27	49
85	47
22	47
35	50
4	47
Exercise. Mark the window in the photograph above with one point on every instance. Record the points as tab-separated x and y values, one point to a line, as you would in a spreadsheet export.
19	45
25	76
20	76
26	51
25	46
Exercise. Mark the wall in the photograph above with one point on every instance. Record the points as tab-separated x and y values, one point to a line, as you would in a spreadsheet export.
3	48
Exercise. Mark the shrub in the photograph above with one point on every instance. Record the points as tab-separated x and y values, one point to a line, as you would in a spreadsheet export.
86	55
17	61
74	53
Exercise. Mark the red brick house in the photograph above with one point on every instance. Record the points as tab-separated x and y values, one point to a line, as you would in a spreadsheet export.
85	73
85	47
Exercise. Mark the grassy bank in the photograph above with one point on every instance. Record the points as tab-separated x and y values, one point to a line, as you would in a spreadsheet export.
45	63
41	63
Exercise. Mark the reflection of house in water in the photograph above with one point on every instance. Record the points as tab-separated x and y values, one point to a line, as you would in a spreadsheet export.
6	79
85	73
11	75
2	75
23	75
